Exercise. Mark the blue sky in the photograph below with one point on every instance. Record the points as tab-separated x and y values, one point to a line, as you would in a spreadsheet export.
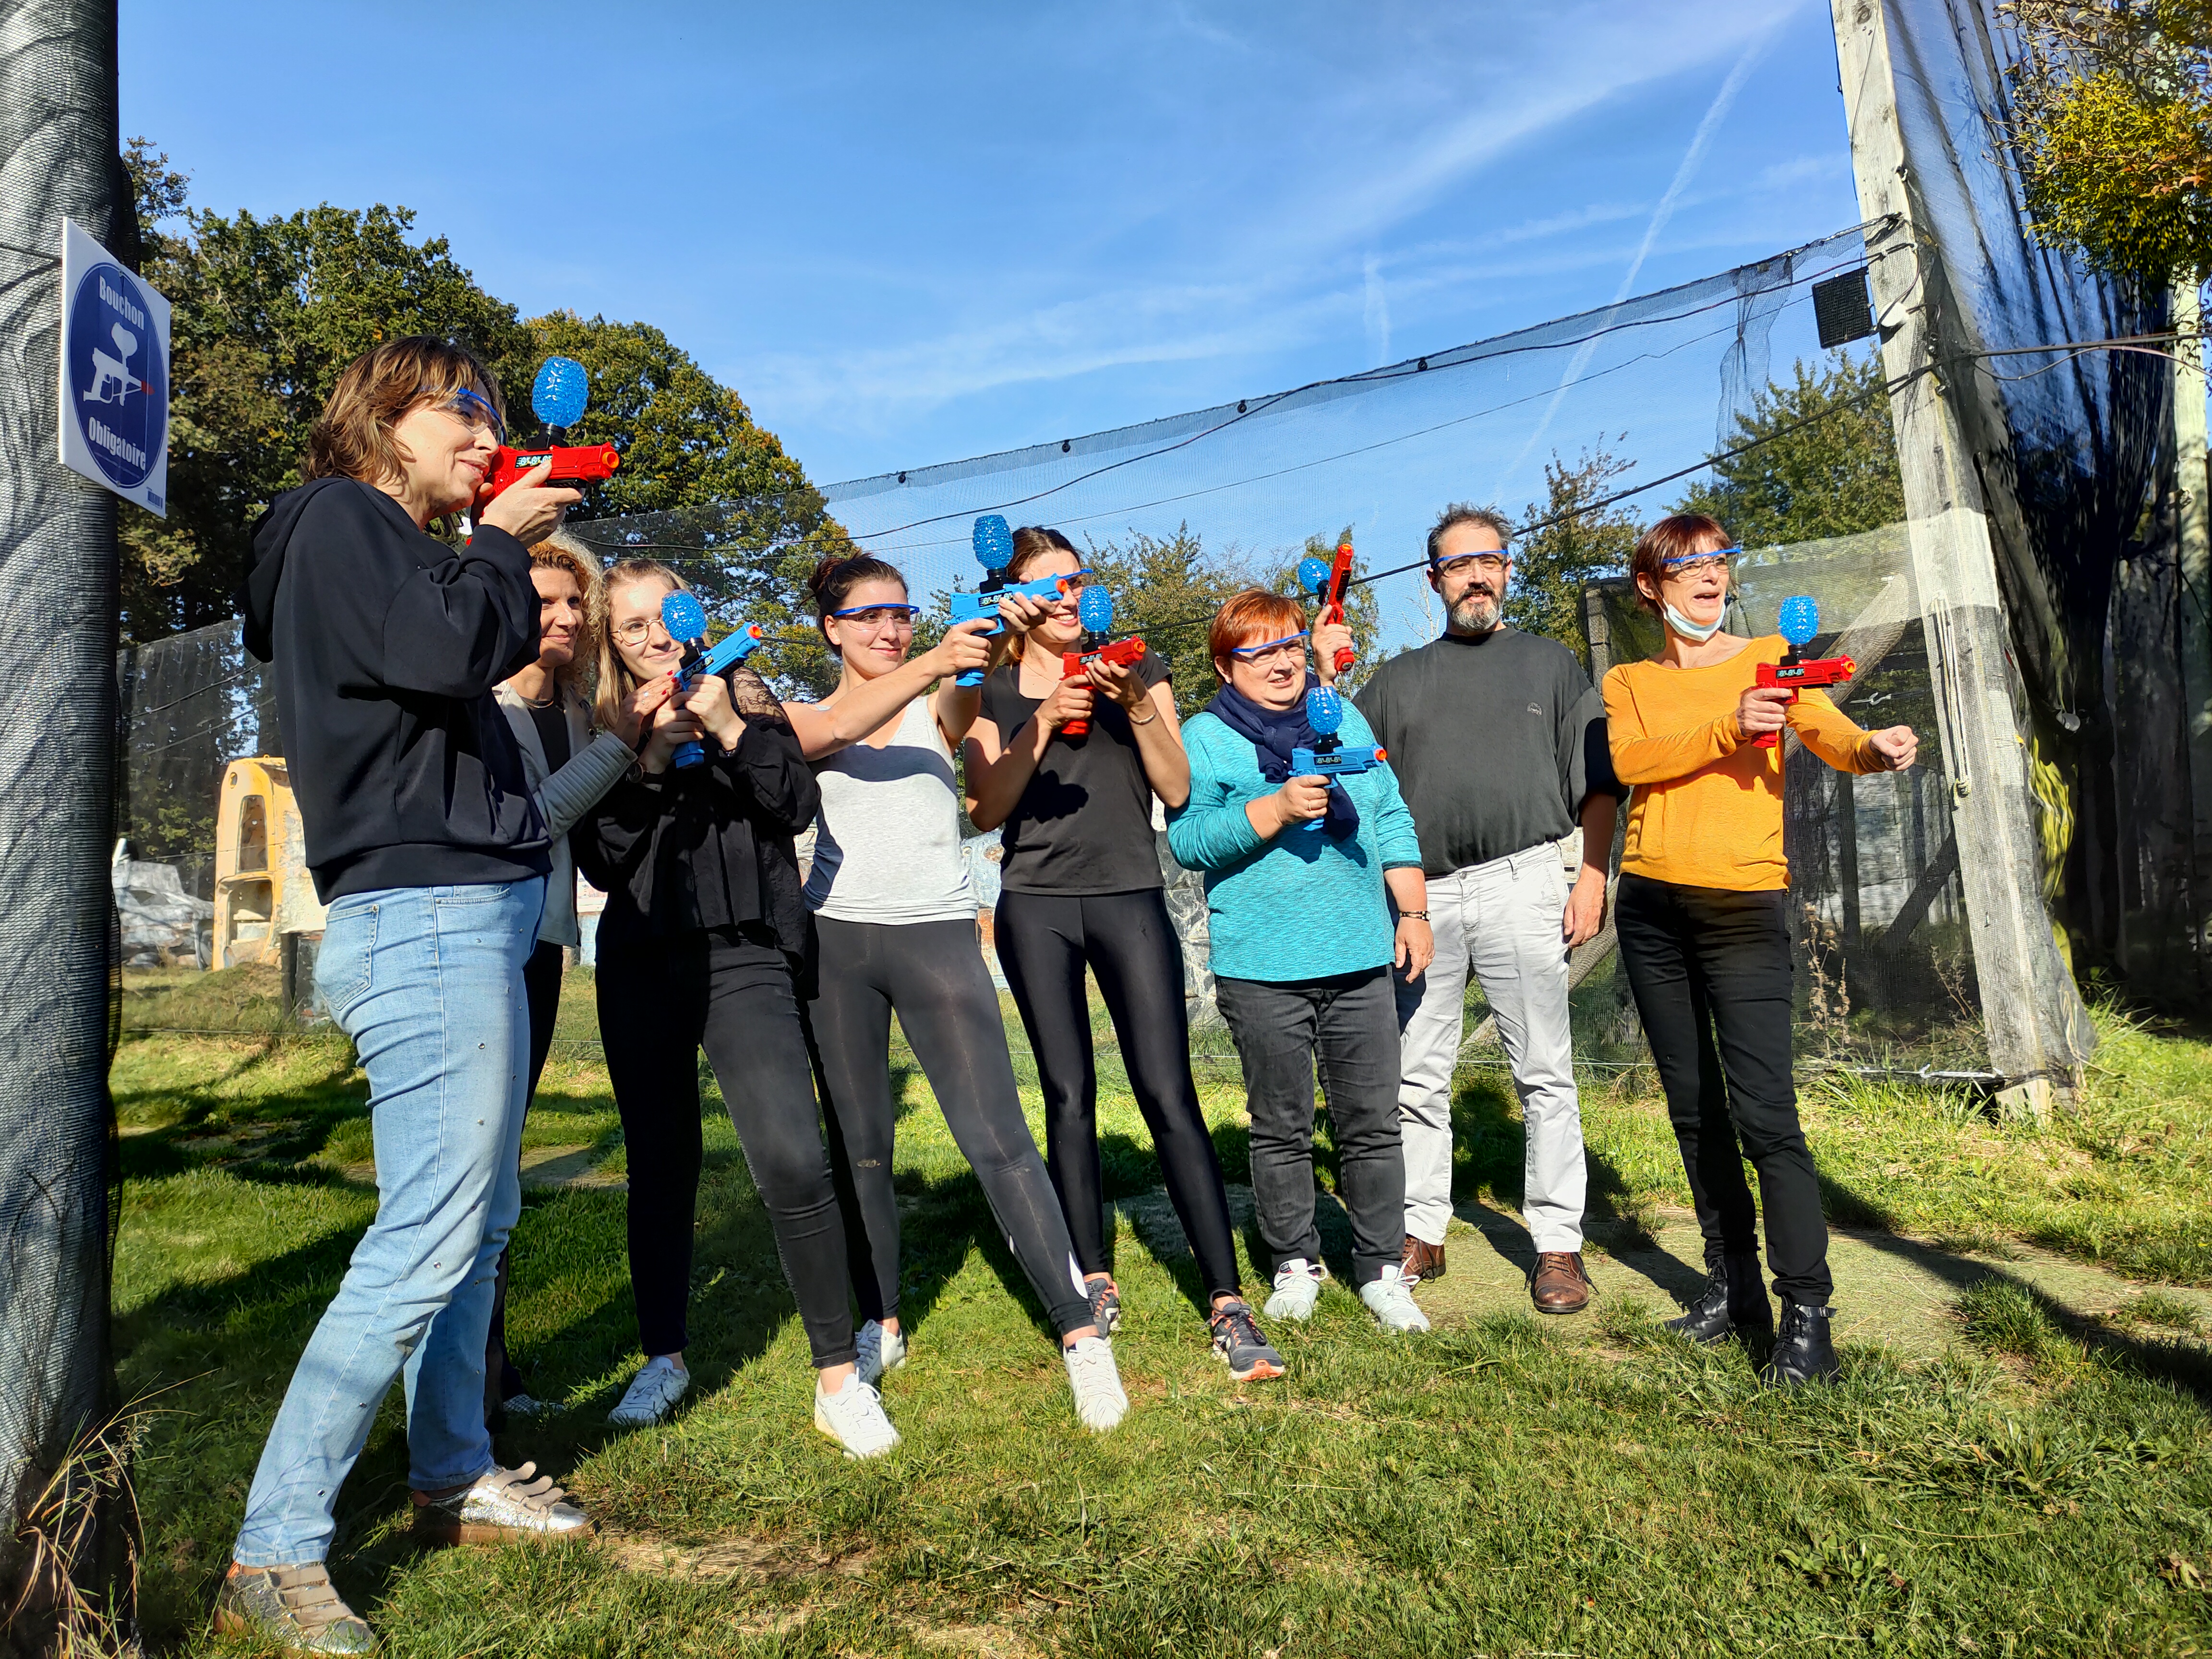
908	235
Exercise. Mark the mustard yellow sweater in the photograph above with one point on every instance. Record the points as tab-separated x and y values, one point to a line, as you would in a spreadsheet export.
1706	810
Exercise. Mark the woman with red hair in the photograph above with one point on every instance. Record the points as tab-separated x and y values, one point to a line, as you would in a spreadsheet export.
1300	873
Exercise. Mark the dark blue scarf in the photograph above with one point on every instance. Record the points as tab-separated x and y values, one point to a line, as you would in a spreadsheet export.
1275	734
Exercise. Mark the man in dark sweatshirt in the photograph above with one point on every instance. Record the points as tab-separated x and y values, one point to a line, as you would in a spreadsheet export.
425	843
1498	741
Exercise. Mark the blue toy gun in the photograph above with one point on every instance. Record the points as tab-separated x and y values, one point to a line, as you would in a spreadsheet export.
994	551
685	619
1330	758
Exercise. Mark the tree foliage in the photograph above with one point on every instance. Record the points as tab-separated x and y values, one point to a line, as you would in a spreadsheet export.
1167	588
1574	542
1362	611
269	311
730	509
1826	464
2111	130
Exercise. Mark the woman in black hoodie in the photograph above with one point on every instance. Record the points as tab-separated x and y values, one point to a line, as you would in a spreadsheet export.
424	842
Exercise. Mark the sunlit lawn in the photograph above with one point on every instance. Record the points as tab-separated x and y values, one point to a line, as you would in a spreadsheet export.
1496	1487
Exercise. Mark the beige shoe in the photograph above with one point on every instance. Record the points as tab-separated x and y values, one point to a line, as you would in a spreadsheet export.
294	1606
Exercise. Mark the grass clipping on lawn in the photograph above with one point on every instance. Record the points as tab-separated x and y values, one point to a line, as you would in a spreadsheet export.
1502	1486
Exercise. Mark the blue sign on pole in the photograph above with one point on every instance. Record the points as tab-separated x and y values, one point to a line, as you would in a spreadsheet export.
114	374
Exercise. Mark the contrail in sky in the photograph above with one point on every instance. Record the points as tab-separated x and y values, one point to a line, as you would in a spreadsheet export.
1723	100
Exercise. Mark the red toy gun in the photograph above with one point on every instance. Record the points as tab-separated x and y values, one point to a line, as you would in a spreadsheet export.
1095	611
593	464
1800	620
1325	581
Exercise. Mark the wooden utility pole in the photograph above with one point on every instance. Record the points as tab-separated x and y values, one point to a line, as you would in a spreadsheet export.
2039	1033
2194	515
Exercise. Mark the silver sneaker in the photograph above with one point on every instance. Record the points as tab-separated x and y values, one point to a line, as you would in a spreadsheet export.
521	1405
879	1351
1297	1287
293	1607
1100	1403
502	1504
1390	1300
853	1418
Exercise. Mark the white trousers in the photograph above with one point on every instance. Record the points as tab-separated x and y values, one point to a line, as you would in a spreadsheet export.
1505	918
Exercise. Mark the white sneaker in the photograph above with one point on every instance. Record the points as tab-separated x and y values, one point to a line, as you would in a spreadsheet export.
1099	1400
853	1418
1297	1287
880	1351
1390	1300
653	1391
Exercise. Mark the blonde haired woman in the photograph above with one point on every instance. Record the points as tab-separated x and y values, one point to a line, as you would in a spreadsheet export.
548	707
705	941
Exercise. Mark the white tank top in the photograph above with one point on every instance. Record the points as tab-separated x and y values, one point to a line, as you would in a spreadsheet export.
887	843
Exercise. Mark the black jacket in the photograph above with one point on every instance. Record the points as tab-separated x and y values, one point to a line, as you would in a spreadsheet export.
707	845
387	644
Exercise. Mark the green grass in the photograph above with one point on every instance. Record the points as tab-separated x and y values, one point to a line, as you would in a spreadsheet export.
1498	1487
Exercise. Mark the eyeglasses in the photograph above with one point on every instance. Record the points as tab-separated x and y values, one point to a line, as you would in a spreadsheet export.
1293	646
635	630
472	409
1489	564
880	615
1698	564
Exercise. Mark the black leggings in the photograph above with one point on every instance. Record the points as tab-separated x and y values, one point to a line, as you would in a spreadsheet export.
933	973
541	986
1045	942
1707	963
659	1003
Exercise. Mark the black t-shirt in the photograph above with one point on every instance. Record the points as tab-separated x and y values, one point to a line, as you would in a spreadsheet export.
552	724
1084	825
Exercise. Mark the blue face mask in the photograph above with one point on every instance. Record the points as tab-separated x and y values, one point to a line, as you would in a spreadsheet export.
1696	632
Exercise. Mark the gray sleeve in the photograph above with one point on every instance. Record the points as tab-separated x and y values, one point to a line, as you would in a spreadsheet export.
574	790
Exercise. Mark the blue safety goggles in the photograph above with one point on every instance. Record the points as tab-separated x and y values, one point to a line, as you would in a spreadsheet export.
1693	558
1254	652
470	408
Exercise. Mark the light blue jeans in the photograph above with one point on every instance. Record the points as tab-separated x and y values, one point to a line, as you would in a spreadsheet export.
428	983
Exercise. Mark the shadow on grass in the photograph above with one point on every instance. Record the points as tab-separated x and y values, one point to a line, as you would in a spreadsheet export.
1489	1169
2184	1366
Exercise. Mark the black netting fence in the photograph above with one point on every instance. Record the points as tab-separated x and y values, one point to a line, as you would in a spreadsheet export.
1754	393
1582	428
2074	449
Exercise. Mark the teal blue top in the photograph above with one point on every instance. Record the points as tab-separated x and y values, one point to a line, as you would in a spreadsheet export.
1304	905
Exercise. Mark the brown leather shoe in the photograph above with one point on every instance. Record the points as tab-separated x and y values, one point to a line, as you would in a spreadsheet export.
1421	1259
1559	1286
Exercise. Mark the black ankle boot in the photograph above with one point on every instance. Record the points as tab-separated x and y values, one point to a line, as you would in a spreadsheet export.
1749	1310
1803	1353
1733	1300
